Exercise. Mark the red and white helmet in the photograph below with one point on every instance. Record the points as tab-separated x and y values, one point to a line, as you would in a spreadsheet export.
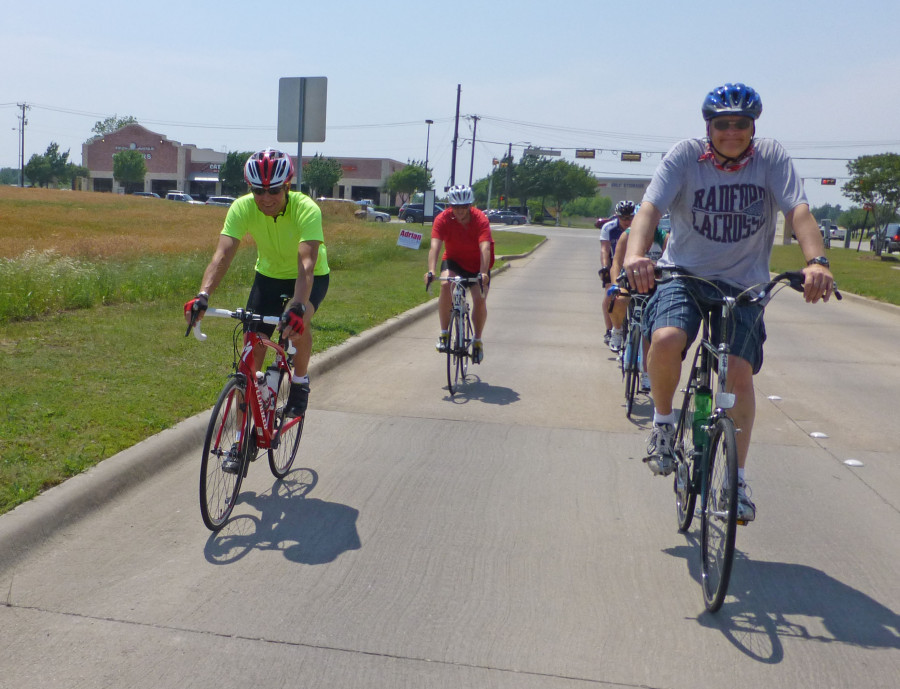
268	168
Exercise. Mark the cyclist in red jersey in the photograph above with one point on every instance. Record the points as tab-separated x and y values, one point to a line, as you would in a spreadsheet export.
465	233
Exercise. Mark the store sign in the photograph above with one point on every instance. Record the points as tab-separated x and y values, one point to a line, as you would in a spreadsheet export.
134	147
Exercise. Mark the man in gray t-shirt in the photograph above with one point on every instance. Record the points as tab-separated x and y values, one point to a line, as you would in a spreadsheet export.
723	194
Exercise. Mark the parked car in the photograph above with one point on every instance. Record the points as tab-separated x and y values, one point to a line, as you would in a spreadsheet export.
509	217
369	213
146	194
181	196
892	237
838	232
415	212
220	200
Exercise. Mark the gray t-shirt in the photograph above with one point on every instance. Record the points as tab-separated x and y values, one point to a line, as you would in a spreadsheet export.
723	223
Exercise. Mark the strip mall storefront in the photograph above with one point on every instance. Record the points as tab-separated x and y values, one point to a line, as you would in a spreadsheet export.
173	166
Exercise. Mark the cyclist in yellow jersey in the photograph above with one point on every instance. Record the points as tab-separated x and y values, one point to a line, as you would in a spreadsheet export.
287	228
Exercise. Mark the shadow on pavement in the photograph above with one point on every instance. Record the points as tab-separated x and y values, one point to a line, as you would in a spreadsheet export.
762	596
307	530
476	390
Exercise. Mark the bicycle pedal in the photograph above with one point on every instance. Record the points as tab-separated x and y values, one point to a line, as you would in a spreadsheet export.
742	522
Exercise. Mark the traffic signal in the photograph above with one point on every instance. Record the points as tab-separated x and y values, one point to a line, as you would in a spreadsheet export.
829	180
502	199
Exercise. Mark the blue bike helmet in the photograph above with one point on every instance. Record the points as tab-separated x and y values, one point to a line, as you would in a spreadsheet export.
732	99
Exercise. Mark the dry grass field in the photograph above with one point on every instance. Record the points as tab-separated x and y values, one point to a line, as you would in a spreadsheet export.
91	225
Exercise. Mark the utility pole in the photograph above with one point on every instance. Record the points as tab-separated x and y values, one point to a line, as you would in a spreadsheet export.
455	139
474	118
508	176
22	123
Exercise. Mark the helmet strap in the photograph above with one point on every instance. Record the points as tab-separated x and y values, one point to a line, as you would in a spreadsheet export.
727	160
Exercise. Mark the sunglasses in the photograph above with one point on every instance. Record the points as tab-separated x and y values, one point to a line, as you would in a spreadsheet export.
725	125
272	191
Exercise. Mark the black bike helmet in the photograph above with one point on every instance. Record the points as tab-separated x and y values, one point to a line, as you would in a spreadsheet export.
625	209
732	99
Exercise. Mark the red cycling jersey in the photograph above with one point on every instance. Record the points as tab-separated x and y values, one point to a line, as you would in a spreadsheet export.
461	241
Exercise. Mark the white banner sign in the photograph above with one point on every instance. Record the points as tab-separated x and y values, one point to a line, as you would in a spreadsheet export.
409	239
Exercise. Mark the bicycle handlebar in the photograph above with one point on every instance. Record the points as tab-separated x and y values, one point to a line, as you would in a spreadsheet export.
242	315
458	279
753	295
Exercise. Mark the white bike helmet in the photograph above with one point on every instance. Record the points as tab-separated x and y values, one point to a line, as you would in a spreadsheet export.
268	168
460	195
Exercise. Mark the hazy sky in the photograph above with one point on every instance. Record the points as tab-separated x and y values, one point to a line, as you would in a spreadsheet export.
612	76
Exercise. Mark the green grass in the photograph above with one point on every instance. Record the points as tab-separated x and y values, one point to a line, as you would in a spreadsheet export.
85	383
860	273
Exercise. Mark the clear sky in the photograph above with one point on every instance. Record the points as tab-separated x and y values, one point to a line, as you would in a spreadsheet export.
609	75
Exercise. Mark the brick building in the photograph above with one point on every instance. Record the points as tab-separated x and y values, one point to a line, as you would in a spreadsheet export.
172	165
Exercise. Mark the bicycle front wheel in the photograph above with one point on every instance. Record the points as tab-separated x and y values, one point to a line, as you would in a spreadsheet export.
718	521
226	440
632	372
288	431
452	345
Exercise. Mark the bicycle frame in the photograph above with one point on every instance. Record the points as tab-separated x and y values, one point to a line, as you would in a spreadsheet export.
263	418
460	331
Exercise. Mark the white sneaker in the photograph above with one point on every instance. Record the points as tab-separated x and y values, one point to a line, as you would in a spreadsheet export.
660	449
615	340
746	510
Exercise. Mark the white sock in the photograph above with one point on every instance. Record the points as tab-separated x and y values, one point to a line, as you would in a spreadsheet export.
740	475
300	379
664	418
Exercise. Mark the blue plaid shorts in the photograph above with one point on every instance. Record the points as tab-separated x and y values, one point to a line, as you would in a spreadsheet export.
680	303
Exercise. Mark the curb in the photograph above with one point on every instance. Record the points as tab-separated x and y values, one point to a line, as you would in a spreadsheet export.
33	521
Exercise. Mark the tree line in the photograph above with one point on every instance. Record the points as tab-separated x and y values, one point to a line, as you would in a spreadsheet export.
534	180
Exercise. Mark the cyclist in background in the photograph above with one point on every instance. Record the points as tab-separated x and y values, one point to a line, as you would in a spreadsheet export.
287	228
465	233
723	194
620	301
609	236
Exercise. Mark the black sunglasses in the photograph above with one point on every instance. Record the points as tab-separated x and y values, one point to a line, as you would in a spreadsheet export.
272	191
725	125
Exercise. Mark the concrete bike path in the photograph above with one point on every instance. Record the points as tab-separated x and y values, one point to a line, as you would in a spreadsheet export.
508	536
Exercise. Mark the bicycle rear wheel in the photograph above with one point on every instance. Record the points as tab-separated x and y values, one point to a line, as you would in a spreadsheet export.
718	521
289	431
685	492
226	438
632	370
462	362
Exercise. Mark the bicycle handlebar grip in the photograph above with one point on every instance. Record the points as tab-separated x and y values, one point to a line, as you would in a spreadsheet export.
201	337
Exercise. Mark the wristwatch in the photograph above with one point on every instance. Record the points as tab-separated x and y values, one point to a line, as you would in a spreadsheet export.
819	260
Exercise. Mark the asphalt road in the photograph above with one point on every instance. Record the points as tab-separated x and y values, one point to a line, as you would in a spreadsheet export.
506	537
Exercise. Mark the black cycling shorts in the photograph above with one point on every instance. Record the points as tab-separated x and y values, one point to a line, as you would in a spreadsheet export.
454	267
269	296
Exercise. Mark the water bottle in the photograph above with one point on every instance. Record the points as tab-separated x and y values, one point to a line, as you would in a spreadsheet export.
273	379
702	410
263	389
